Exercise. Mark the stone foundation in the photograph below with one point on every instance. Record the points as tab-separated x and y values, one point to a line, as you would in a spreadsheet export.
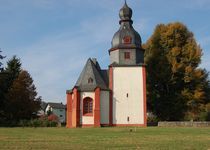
184	124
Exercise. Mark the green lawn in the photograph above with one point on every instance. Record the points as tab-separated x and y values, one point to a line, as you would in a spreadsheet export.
104	138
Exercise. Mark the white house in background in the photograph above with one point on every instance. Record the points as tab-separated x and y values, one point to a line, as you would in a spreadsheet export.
57	109
41	112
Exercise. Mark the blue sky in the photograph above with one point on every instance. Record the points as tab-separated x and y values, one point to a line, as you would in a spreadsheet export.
54	38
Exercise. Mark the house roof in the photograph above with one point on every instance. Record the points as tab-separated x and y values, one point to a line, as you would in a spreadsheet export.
92	76
57	105
43	105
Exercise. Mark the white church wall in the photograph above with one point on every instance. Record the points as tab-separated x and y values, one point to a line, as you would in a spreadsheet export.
86	119
114	57
128	95
104	107
132	59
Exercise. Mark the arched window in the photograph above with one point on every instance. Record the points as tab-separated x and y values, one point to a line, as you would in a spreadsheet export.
87	106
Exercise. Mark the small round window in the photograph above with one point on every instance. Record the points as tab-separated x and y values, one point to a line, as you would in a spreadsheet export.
127	40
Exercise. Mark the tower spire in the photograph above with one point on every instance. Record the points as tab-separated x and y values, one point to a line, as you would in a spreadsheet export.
125	13
126	38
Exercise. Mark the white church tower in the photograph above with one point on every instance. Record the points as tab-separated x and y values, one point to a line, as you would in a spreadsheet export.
127	77
115	96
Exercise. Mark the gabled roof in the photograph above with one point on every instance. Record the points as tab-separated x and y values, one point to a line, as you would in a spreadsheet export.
43	105
91	77
57	105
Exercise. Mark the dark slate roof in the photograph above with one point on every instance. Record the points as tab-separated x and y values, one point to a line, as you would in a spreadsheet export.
126	29
105	76
43	105
125	12
57	105
92	71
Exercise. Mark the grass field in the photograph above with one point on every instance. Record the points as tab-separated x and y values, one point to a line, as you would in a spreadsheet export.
105	138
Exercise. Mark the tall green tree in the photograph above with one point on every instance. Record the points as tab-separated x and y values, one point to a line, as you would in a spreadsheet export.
7	77
176	85
18	94
22	100
10	73
1	57
13	67
1	84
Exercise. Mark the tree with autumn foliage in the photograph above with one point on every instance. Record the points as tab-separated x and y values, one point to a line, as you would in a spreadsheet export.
8	75
177	87
22	98
18	94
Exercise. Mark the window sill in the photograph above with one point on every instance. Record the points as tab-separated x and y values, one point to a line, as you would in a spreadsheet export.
88	114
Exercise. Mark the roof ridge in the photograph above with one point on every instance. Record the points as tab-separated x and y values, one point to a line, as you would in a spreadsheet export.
90	70
99	72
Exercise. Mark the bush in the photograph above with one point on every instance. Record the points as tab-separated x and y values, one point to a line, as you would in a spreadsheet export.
24	123
208	116
53	117
208	112
52	124
43	121
151	118
205	116
189	116
8	123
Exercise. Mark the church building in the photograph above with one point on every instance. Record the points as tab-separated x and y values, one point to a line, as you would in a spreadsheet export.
115	96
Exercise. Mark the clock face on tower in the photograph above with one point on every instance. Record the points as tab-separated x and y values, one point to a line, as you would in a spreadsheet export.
127	40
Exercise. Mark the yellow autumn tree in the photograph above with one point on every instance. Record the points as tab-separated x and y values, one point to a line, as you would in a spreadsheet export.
177	88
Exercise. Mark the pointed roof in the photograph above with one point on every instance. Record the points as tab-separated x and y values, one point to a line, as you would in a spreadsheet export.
91	77
43	105
126	30
125	13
